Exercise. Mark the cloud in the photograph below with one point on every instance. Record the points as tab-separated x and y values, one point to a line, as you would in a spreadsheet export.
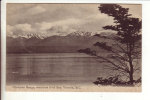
23	27
60	30
69	21
19	30
57	19
66	22
42	26
9	30
61	27
29	13
57	27
35	10
33	13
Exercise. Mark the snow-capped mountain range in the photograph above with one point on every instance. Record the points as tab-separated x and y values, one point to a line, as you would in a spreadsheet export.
33	43
45	35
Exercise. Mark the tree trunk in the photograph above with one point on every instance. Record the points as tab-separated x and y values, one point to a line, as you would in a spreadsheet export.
131	65
131	74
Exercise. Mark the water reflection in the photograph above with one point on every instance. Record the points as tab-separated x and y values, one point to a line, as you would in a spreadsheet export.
52	67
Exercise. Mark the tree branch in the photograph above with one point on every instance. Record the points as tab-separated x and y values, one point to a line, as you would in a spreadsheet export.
116	67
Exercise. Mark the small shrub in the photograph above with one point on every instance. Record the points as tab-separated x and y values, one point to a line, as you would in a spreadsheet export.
110	81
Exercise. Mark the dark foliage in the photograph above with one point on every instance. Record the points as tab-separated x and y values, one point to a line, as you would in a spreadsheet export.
103	45
87	51
113	81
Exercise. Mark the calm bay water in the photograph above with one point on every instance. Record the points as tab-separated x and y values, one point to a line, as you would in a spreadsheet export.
53	68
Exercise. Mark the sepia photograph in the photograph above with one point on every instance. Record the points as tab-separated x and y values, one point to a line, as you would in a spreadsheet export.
73	47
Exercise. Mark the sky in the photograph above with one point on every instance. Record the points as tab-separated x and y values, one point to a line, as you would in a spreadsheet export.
58	19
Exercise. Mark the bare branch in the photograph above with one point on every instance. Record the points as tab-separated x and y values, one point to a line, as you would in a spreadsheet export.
116	67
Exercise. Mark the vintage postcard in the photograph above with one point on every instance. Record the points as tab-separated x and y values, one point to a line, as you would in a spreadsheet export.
73	47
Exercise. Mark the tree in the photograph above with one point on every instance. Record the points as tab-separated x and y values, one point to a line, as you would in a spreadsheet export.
125	51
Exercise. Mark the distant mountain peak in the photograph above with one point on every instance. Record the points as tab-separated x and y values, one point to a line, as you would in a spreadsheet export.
107	33
28	36
73	34
80	33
